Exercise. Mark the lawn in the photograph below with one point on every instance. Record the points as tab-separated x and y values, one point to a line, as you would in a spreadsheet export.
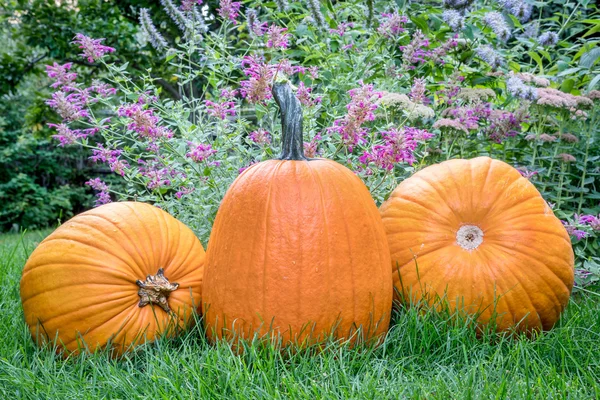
424	356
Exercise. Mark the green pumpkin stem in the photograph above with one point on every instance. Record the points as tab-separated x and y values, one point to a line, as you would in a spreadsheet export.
292	145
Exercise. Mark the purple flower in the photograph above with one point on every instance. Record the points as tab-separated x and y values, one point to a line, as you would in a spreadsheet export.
257	88
498	24
60	74
416	52
188	5
66	135
68	106
454	19
392	24
92	48
154	36
200	152
277	38
548	38
103	89
103	154
220	110
313	72
360	110
341	28
590	220
260	137
504	124
517	88
157	174
310	148
490	56
573	231
228	94
143	121
255	27
229	10
184	191
103	197
526	173
417	92
111	157
399	146
303	94
247	166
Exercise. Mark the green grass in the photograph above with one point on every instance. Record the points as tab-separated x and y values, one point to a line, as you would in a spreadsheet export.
424	356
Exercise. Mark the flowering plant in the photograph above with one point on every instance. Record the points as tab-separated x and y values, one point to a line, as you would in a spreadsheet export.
385	91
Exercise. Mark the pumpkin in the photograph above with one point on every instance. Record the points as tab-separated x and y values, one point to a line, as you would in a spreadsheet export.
113	277
297	252
479	236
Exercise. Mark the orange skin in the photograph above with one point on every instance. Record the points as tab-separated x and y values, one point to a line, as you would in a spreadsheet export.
519	277
297	252
79	285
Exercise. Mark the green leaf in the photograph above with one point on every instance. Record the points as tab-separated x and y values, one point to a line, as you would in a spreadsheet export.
421	23
589	59
569	71
567	85
536	57
594	82
593	30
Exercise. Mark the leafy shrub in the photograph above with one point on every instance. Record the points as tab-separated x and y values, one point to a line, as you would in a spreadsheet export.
386	92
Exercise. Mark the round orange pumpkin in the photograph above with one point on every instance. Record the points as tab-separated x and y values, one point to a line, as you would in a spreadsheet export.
297	251
478	235
116	275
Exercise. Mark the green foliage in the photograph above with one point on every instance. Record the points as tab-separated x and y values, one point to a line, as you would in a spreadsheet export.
41	183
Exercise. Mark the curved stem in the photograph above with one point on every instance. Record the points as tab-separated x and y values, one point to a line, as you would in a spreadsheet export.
292	146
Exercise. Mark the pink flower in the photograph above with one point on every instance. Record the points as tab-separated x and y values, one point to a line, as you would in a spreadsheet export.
103	89
143	121
526	173
247	166
188	5
417	92
103	154
68	106
157	174
228	93
360	110
92	48
257	88
200	152
220	110
313	72
102	188
229	10
590	220
310	148
303	94
277	38
398	146
60	74
260	137
392	25
183	191
341	28
66	135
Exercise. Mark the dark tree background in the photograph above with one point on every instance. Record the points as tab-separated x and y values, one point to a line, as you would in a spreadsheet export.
41	183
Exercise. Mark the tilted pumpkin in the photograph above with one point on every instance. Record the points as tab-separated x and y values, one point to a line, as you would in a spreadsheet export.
298	250
478	235
119	274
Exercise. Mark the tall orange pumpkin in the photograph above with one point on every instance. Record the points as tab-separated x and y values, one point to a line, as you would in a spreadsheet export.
480	236
119	274
297	250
